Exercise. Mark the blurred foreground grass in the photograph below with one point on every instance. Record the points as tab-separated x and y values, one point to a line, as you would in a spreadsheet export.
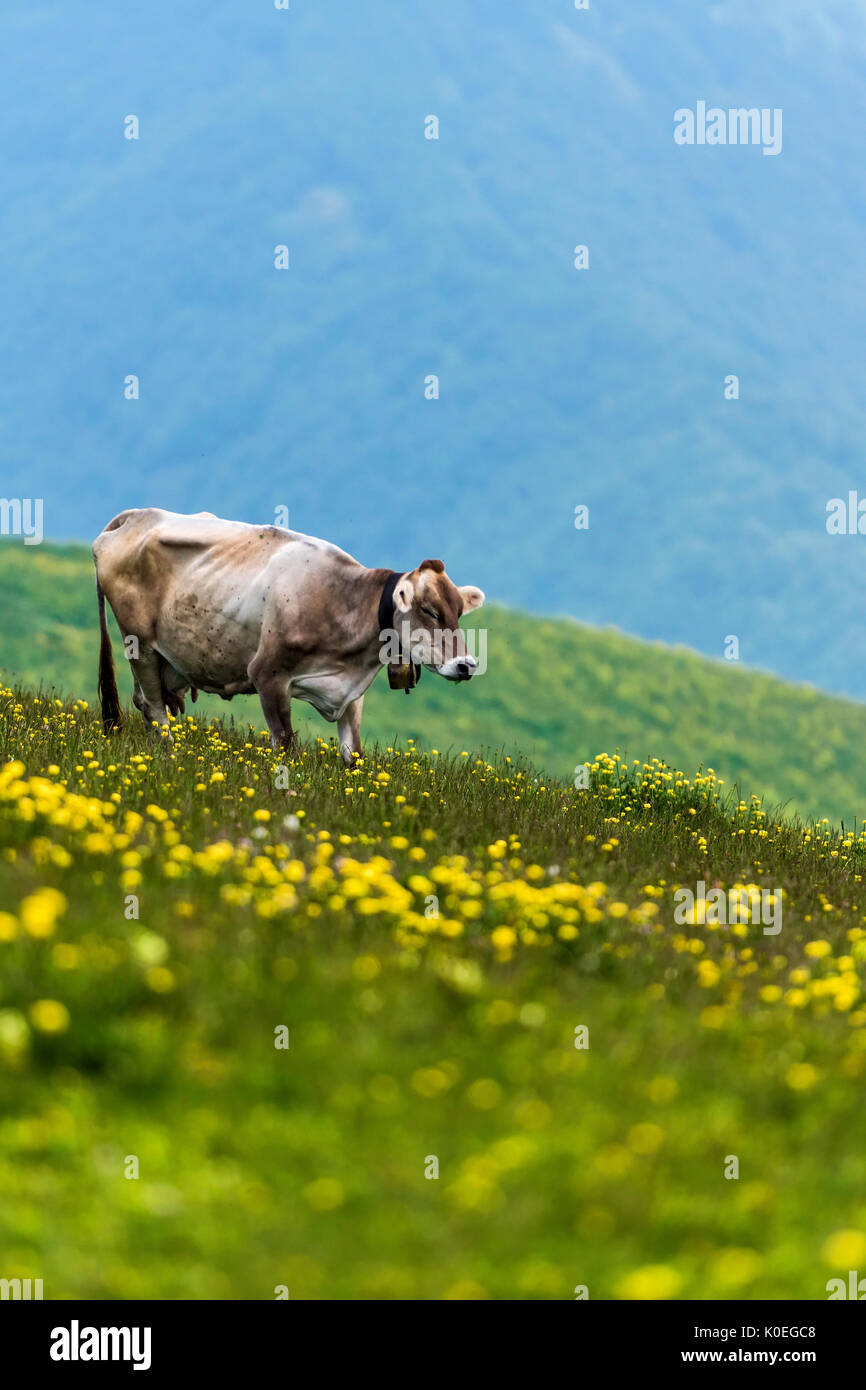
431	932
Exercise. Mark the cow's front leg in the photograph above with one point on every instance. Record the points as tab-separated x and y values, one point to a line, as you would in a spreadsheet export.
275	694
349	731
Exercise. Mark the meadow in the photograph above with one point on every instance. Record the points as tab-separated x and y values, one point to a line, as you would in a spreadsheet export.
554	689
423	1028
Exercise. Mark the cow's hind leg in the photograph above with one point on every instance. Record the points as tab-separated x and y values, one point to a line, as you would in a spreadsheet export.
349	731
148	694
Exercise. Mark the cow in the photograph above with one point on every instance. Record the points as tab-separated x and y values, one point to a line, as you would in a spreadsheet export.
235	609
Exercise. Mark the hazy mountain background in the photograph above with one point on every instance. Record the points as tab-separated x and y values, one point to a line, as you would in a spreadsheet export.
408	257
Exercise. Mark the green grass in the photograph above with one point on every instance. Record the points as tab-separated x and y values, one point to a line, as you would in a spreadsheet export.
555	691
154	1037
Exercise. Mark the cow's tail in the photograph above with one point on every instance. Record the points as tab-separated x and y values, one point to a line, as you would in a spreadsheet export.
107	684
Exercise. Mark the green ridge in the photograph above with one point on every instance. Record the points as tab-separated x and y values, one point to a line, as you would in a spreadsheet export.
553	690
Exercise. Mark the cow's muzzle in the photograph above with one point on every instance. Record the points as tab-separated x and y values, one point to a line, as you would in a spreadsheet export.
460	668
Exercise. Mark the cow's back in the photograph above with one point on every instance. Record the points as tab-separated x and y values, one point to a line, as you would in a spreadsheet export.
199	588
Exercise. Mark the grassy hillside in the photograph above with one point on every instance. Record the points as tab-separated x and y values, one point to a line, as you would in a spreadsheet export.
553	690
422	1029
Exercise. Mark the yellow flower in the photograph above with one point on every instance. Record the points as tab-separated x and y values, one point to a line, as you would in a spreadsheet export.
500	1011
325	1194
645	1139
613	1160
430	1082
716	1016
797	998
802	1076
65	956
533	1114
651	1282
484	1094
844	1249
8	927
160	979
662	1089
817	949
49	1016
366	968
39	912
708	973
465	1289
14	1035
734	1267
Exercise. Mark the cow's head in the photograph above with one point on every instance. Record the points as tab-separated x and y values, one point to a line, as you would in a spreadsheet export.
427	611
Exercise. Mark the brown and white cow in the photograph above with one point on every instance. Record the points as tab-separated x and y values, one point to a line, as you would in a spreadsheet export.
234	609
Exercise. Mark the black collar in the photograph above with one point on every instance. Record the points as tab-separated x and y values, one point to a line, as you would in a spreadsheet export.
402	675
386	602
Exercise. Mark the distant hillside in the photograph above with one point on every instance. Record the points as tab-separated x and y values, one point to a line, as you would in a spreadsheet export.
555	691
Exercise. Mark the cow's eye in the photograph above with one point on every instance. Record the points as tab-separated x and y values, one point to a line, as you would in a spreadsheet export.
428	613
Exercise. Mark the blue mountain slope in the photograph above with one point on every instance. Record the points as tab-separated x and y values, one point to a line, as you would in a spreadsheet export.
305	388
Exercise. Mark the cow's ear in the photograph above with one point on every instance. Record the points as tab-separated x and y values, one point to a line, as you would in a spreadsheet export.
404	593
472	597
